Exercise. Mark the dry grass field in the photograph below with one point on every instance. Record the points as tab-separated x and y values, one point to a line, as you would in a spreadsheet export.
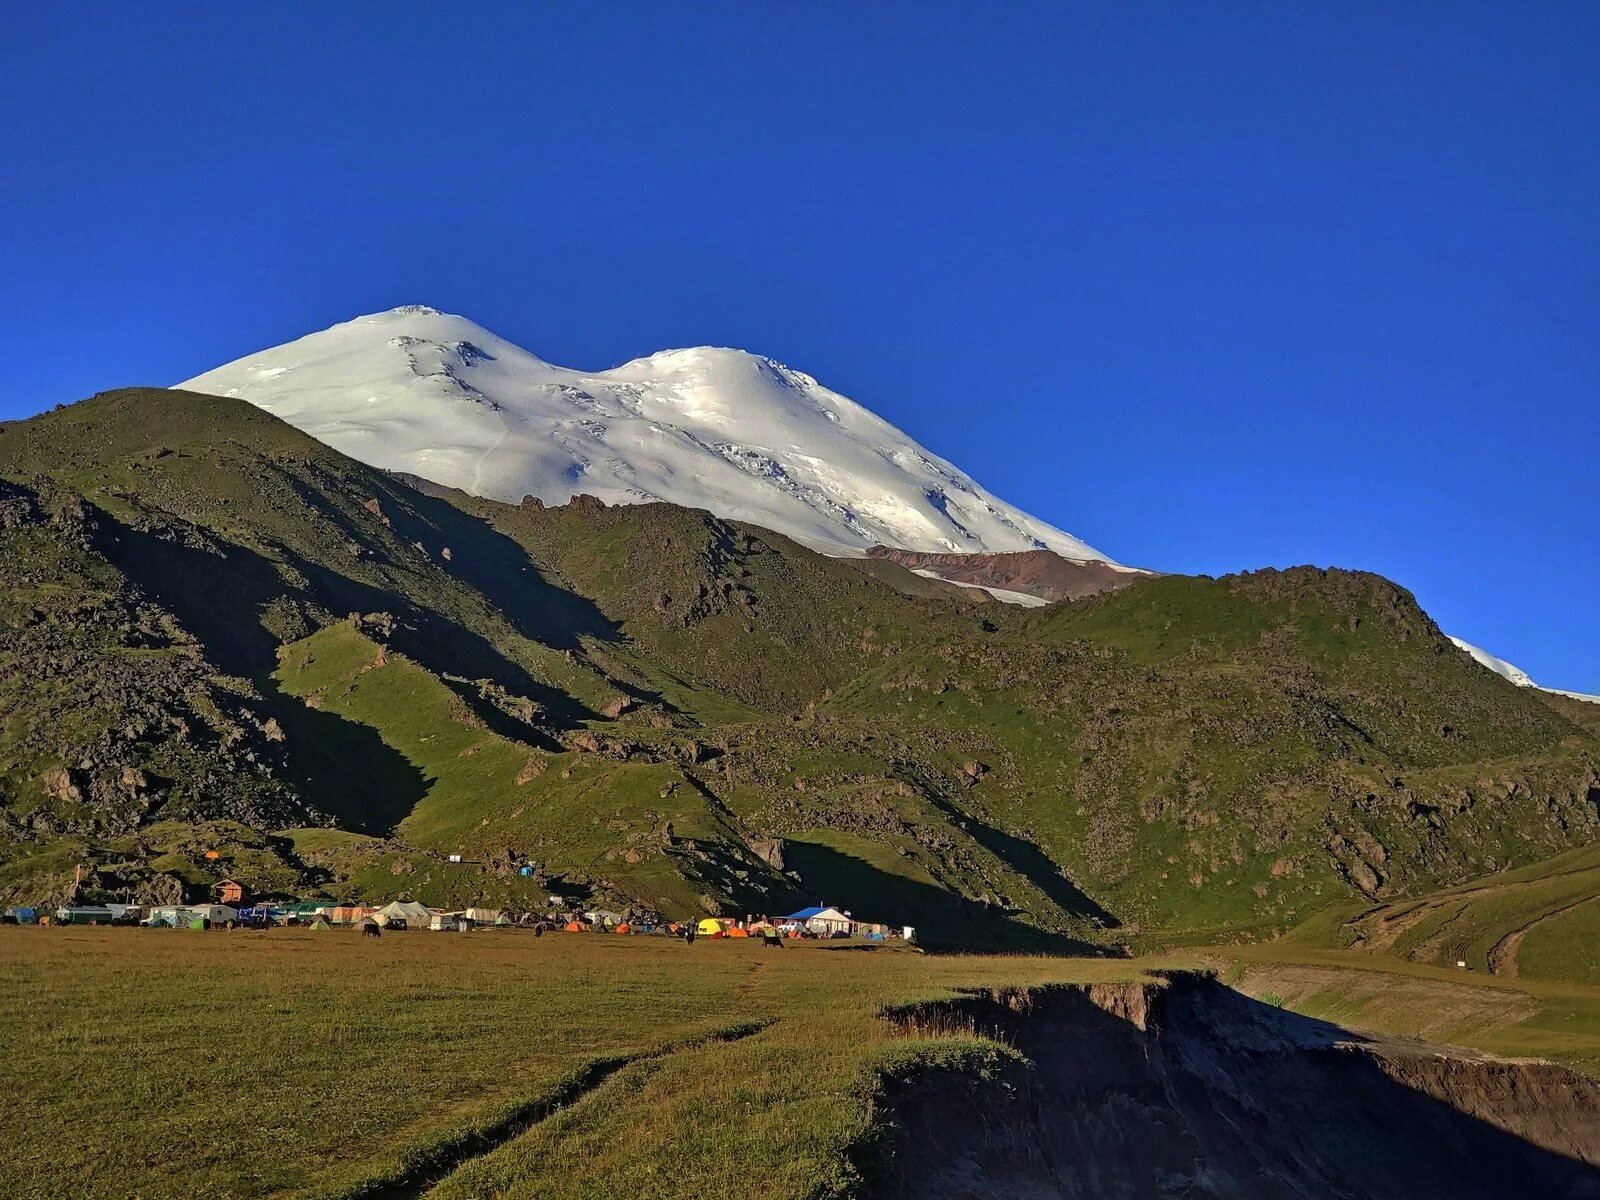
164	1064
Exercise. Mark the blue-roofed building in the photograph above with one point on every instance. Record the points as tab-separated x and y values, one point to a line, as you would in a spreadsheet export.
823	920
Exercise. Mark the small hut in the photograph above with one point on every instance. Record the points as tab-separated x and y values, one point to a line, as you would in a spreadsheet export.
230	892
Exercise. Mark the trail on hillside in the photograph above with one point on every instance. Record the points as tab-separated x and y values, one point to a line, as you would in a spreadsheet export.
1503	957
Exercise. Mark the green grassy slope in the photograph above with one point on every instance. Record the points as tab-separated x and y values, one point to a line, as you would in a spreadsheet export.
640	825
659	706
1232	754
1536	921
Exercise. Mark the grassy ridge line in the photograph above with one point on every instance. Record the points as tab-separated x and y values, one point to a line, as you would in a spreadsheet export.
418	1168
481	792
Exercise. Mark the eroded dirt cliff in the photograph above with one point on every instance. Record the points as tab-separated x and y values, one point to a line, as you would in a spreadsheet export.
1184	1087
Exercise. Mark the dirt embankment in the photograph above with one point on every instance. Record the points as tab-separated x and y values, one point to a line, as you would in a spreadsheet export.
1184	1087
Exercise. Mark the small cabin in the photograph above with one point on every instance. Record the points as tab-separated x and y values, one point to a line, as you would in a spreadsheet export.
229	892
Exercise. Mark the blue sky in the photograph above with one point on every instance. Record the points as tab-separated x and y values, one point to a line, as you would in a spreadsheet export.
1213	286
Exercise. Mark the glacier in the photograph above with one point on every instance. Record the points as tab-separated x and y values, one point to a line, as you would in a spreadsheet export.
417	390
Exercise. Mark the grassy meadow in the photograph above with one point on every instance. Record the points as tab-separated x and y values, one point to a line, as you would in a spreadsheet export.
296	1064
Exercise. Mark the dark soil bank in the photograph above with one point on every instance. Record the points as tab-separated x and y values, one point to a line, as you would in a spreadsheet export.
1186	1088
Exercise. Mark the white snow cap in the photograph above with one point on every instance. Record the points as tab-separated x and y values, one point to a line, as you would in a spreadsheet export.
1498	665
1516	674
417	390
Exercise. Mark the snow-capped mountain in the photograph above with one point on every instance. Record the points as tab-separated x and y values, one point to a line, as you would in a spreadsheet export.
1515	673
417	390
1496	664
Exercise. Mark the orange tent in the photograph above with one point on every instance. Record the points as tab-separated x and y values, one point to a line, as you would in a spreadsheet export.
737	932
623	928
573	927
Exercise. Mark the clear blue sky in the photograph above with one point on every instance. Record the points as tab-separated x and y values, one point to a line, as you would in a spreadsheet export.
1212	286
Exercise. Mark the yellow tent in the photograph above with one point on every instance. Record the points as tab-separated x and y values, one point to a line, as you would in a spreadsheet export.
710	927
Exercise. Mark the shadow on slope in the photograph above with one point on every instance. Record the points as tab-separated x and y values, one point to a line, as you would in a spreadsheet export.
221	598
484	559
1033	864
944	920
345	769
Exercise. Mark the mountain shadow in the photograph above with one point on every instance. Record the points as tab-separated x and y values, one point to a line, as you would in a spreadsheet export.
943	919
220	596
497	567
344	769
1033	864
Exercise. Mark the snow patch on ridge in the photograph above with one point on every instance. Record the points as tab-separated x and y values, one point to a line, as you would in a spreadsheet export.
1498	665
1514	673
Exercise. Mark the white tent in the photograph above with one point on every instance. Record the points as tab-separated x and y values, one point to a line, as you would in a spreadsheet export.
823	919
413	914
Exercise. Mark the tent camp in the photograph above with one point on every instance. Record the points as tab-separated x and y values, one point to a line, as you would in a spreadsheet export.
483	916
217	914
84	914
709	927
190	916
822	920
411	914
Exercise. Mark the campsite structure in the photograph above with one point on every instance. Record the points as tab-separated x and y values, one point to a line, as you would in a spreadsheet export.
822	920
819	921
404	914
230	892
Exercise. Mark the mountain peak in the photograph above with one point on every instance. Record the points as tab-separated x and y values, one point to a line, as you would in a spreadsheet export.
437	395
